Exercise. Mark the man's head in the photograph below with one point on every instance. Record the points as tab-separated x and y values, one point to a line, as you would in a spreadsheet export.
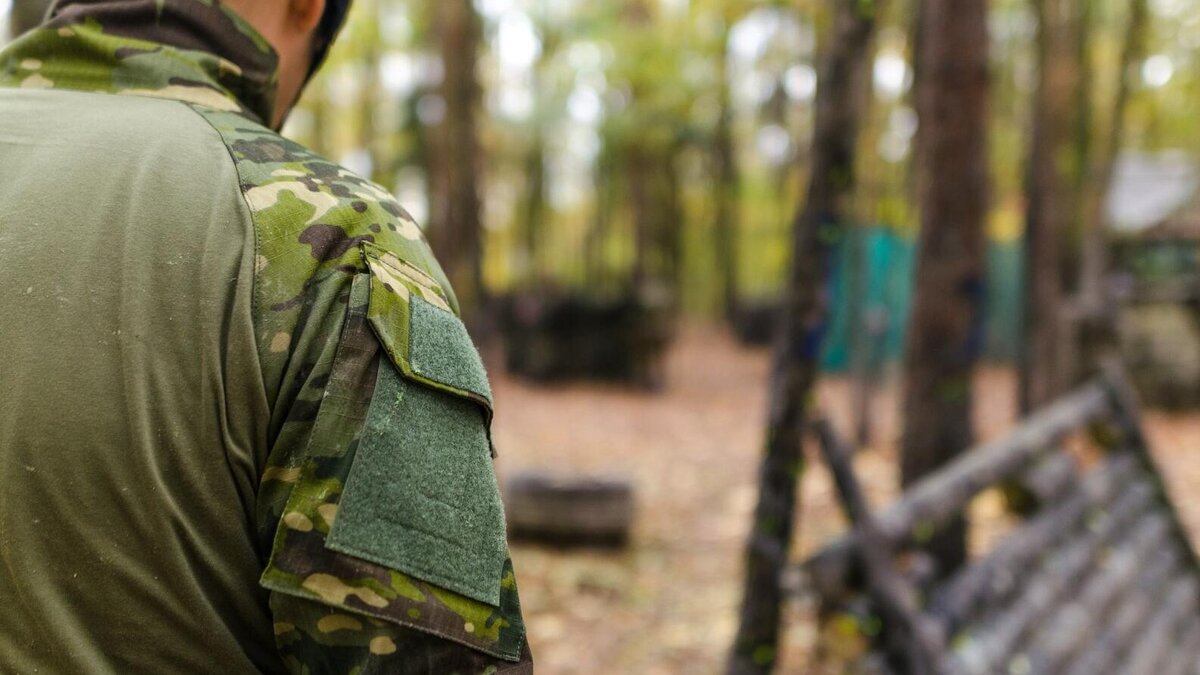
300	32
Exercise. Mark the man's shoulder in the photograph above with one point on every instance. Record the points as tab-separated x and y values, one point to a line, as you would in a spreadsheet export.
311	215
303	202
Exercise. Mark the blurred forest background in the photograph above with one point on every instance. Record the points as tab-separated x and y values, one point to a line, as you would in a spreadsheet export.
633	198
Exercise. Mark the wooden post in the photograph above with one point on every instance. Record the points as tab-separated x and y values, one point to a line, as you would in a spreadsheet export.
912	642
940	497
946	329
798	346
1051	205
455	228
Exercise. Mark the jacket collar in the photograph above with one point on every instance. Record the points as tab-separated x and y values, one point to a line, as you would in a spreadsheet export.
189	50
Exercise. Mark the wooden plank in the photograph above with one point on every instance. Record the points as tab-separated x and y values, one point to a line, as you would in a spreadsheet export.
1127	413
943	495
1124	626
938	498
1078	619
907	636
1180	607
569	511
1187	654
1051	479
986	645
994	578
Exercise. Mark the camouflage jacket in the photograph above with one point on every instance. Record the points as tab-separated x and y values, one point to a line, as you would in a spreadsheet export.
344	408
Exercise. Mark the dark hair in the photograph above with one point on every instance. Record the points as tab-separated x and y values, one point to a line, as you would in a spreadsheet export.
331	23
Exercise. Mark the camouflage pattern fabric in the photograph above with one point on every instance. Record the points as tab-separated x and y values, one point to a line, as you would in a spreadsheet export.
323	236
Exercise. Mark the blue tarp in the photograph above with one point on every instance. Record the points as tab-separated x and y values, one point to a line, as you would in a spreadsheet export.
891	261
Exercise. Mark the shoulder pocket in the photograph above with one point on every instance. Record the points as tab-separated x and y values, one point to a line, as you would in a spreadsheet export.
348	462
423	337
421	496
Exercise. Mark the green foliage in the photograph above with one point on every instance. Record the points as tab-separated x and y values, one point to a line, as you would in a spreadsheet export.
575	91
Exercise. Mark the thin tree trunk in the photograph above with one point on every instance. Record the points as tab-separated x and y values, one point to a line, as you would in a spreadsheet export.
669	221
637	172
368	137
797	350
1051	206
946	333
858	275
1082	134
861	337
1094	332
638	165
727	182
597	235
455	228
534	205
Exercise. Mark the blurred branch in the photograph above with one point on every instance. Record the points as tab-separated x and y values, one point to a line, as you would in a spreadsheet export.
817	227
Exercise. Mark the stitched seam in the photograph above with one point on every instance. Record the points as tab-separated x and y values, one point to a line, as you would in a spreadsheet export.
254	286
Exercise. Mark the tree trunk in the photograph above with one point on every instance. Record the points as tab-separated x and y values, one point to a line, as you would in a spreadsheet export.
1095	331
862	333
596	239
797	351
27	15
727	181
946	332
669	217
636	14
1051	206
637	173
455	228
534	208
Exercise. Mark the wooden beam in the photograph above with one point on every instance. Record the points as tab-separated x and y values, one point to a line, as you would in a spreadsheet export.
1123	627
938	498
986	648
1149	652
991	580
1079	618
1128	416
910	638
1186	654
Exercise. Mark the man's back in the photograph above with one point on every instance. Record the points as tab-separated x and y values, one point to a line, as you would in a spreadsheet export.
242	428
129	360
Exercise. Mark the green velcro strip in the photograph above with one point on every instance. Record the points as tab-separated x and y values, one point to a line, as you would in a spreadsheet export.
440	349
421	497
425	340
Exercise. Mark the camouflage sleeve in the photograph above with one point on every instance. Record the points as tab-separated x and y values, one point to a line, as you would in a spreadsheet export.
378	511
318	638
371	567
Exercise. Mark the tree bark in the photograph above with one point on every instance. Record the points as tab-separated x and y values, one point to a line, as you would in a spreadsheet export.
1095	332
534	207
1044	374
727	182
638	161
946	333
455	227
797	351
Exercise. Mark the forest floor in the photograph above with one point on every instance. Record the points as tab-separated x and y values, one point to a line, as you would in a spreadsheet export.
667	604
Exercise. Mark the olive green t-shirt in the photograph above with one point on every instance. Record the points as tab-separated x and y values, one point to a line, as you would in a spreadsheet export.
242	428
131	399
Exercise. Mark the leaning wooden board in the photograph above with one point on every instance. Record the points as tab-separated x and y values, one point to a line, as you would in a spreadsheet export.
1100	579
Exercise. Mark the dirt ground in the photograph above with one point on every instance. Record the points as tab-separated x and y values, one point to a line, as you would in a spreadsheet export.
667	604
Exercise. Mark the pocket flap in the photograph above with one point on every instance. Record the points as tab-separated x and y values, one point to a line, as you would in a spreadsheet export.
421	496
423	337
